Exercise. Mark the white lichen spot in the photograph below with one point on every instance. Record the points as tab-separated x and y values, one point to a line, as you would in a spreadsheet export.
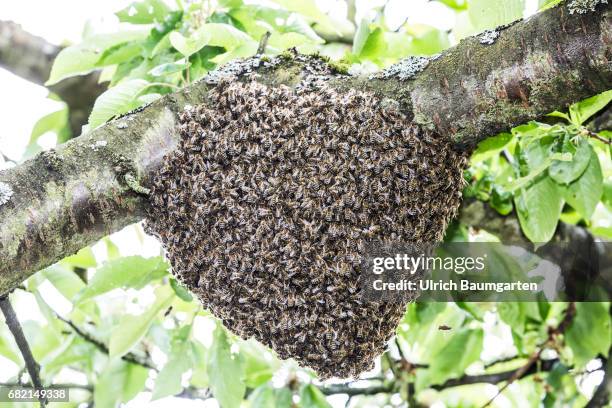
363	69
584	6
238	68
188	108
405	69
6	192
98	144
488	37
122	125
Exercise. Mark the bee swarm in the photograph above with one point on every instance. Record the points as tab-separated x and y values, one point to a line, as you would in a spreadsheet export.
265	208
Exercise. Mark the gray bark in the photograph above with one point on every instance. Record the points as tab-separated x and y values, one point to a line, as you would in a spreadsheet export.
31	58
63	200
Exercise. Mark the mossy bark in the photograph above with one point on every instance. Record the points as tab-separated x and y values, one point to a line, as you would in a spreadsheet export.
534	67
68	198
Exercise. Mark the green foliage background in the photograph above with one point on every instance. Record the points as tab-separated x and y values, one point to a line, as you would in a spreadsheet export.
546	172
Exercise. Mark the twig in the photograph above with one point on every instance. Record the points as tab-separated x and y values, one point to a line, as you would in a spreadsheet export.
354	391
570	312
7	159
15	327
494	378
263	43
86	387
596	136
130	357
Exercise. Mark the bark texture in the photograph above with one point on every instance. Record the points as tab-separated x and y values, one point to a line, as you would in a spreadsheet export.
63	200
535	66
31	58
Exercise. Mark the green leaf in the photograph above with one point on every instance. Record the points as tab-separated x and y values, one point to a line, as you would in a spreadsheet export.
283	41
82	58
309	9
112	250
580	112
458	5
213	34
199	375
128	272
564	172
56	122
462	350
134	381
263	397
132	329
119	382
516	314
584	194
535	172
8	348
539	207
243	51
259	365
374	46
168	68
120	53
187	45
590	332
267	396
144	12
116	100
501	200
312	397
179	361
557	114
424	40
361	36
225	372
544	4
83	259
65	280
180	291
486	14
490	147
607	193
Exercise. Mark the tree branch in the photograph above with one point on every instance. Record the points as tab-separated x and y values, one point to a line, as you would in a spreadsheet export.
30	362
68	198
130	357
31	58
534	365
494	378
580	265
53	386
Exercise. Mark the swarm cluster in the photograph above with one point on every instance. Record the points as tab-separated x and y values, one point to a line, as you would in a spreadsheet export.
267	205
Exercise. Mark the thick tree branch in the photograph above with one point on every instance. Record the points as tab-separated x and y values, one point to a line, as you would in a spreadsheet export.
31	58
15	327
65	199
